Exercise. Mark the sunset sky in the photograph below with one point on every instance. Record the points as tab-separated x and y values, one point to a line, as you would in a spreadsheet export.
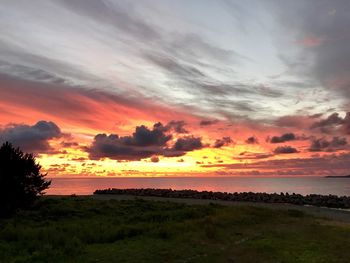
177	88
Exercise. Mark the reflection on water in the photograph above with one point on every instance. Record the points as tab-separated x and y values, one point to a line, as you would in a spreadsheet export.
325	186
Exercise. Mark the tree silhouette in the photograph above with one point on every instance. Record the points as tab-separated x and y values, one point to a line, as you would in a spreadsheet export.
20	179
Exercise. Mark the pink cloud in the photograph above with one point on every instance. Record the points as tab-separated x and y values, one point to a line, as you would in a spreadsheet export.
311	41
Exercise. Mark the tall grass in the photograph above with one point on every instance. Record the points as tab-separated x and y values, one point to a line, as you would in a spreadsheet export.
87	230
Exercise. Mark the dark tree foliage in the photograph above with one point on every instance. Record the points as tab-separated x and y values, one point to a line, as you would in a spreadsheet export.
20	179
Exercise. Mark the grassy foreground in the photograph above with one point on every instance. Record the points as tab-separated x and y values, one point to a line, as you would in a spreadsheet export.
86	230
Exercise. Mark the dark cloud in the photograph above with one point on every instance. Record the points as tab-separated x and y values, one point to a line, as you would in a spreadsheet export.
188	143
113	147
316	115
346	124
208	122
331	120
222	142
285	150
322	144
177	126
145	137
333	123
143	143
283	138
80	159
154	159
253	156
172	126
330	124
252	140
33	138
69	144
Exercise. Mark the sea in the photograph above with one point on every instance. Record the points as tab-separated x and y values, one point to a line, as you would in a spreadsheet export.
298	185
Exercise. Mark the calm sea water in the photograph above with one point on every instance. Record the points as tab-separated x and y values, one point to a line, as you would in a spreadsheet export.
325	186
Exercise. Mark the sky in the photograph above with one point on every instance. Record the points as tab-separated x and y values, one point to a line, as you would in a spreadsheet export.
177	88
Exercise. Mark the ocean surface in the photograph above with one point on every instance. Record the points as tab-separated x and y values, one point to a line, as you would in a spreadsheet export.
306	185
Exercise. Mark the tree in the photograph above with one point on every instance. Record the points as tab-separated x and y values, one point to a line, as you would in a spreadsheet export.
20	179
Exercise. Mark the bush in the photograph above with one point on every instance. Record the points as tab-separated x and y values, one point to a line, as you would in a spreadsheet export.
20	179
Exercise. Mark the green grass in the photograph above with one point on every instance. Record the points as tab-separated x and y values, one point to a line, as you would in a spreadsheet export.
87	230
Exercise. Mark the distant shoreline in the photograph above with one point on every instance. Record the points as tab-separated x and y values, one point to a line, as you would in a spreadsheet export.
337	176
331	201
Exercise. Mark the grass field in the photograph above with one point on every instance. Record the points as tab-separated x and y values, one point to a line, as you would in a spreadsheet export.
74	229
